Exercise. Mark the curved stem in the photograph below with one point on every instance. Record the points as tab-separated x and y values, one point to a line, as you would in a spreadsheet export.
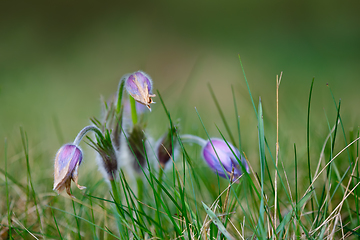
83	132
187	138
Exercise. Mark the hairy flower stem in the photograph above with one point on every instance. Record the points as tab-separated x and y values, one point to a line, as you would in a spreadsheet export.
187	138
84	131
133	110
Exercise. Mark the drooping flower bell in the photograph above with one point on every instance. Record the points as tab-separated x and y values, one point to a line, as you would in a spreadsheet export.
228	156
139	86
67	162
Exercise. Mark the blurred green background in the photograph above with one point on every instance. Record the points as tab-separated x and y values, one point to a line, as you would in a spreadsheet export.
57	58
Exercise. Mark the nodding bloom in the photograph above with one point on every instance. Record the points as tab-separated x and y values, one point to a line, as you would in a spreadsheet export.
139	86
229	157
67	162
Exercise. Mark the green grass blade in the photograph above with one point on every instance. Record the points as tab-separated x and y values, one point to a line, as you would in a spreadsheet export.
85	220
261	222
357	192
25	144
308	144
296	180
119	95
237	118
13	180
56	224
217	222
247	84
341	123
76	219
58	130
222	115
7	190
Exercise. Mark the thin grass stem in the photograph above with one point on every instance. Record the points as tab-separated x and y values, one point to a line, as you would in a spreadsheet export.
134	116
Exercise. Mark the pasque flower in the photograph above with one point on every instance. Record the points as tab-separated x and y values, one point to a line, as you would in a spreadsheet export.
222	157
69	158
139	86
67	162
228	155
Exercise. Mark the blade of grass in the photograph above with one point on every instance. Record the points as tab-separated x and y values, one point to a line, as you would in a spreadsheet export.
341	123
227	178
25	144
92	218
58	131
298	205
76	219
222	115
56	224
120	94
152	185
308	144
7	190
13	180
217	222
278	81
261	223
247	84
237	117
328	175
357	193
85	220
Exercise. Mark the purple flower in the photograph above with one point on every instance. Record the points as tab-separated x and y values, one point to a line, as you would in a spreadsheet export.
67	162
139	86
228	157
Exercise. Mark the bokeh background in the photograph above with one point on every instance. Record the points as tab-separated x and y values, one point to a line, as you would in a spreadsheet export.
58	58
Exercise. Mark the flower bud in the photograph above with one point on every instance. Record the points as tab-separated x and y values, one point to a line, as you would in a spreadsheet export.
67	162
108	162
139	86
226	156
136	140
165	147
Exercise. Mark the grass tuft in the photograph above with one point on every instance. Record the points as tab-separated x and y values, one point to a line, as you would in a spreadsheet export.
280	196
